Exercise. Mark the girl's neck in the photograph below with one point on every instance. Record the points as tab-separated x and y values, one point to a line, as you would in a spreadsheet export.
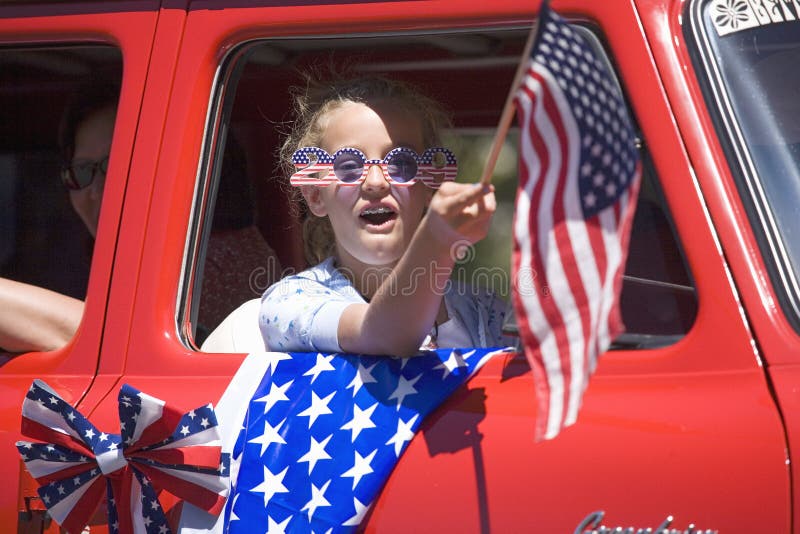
366	279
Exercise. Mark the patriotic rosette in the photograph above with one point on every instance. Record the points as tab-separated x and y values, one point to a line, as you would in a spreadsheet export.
159	448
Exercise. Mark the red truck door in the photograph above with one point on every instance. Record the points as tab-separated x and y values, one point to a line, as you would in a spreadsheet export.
48	52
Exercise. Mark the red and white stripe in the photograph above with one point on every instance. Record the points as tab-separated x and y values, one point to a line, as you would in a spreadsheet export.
567	270
303	174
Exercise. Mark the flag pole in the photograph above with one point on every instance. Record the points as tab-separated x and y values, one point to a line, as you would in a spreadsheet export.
508	110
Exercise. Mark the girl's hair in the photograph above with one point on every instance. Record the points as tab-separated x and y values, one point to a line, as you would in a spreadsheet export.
318	97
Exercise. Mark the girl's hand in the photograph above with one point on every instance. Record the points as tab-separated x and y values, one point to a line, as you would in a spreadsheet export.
461	212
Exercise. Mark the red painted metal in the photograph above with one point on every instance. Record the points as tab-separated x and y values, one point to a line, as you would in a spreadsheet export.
70	371
777	341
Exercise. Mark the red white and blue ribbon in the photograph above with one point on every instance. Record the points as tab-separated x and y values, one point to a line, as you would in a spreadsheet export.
159	448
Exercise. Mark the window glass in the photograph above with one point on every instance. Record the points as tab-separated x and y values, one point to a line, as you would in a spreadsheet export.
57	109
470	73
747	59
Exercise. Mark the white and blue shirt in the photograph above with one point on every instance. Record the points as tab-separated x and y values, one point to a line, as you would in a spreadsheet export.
301	312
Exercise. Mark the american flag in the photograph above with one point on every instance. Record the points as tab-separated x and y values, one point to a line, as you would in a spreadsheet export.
159	448
322	433
578	184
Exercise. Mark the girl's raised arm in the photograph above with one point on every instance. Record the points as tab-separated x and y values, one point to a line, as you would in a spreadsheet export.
408	302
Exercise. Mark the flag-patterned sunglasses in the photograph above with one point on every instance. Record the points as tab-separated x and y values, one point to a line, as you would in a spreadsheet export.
349	166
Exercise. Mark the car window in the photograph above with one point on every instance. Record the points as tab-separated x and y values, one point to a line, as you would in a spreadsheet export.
746	58
53	136
470	73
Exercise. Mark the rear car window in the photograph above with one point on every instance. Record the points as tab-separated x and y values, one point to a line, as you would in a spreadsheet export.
46	93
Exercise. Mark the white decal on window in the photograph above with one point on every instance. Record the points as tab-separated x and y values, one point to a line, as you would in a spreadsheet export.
731	16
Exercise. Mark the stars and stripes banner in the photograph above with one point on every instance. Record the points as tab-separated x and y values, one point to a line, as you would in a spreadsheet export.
578	184
322	432
158	448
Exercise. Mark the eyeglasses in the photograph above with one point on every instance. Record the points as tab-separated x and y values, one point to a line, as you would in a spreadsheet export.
81	174
349	166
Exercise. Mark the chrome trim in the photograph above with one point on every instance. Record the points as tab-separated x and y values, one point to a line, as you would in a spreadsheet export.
200	196
592	524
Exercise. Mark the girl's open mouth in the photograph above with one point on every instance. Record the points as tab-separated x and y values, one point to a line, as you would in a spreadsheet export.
378	215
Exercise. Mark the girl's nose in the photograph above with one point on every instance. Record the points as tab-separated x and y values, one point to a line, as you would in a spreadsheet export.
375	180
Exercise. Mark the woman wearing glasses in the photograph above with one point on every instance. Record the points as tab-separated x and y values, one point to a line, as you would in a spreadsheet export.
37	319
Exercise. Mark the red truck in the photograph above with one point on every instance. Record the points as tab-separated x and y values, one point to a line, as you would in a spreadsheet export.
691	420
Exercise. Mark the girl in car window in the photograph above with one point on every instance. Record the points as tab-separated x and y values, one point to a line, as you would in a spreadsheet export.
366	156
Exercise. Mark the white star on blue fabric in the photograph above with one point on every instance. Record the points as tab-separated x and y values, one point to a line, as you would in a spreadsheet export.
455	361
271	485
361	511
316	452
323	364
361	467
363	376
361	420
317	499
403	435
271	435
276	394
404	388
273	527
318	407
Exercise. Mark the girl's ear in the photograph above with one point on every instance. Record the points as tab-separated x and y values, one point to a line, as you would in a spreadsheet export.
313	196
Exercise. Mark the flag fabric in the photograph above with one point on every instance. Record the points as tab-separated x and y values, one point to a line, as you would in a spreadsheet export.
578	184
158	448
322	433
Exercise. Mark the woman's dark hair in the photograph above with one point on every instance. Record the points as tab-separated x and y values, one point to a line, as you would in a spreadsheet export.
90	97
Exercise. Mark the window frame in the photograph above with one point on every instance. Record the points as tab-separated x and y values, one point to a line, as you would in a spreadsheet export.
783	277
130	32
221	102
203	200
